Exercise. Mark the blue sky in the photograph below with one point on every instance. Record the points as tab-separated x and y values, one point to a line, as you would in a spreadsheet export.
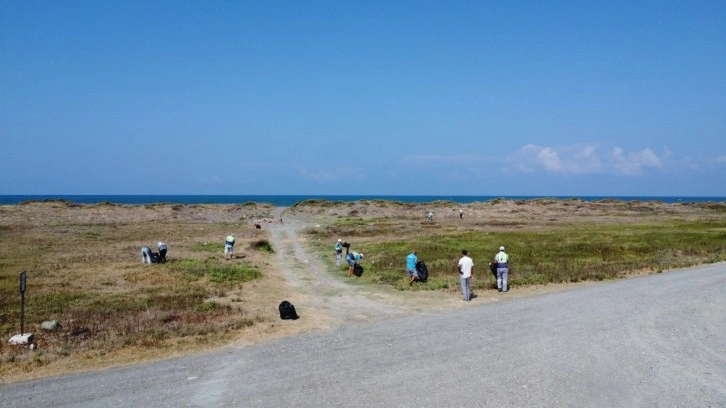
370	97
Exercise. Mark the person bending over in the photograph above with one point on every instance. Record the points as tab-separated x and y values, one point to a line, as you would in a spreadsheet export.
162	251
353	258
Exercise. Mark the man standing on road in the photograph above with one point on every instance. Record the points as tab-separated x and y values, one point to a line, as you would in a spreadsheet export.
411	260
338	252
501	259
466	265
229	247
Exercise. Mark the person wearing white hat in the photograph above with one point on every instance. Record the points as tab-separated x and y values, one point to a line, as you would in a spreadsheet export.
229	247
162	251
338	252
501	259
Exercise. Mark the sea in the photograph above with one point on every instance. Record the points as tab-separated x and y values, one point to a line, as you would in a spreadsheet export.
289	200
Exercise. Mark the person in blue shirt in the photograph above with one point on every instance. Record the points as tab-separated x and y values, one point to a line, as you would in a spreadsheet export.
411	260
353	258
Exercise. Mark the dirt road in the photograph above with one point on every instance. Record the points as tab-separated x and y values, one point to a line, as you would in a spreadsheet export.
321	291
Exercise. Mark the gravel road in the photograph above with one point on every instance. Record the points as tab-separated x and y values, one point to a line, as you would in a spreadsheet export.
654	341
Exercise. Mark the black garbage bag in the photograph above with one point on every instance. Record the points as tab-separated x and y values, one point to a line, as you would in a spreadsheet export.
493	268
422	271
287	311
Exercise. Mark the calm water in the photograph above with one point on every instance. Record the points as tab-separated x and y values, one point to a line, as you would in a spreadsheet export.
288	200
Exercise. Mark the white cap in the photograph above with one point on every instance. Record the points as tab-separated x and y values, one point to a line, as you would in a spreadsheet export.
501	248
340	240
361	255
159	243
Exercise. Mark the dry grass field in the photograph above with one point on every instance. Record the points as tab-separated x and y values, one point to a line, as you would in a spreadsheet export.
84	266
84	270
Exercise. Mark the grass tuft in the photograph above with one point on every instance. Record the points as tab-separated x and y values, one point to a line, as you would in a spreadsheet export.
215	271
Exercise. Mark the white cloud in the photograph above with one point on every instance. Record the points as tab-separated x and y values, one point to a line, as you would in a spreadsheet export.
550	159
585	159
721	160
632	163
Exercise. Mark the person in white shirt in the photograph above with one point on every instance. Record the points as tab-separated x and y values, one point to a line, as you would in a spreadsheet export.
466	265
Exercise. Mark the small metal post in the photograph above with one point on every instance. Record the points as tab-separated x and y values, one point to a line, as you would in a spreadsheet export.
22	303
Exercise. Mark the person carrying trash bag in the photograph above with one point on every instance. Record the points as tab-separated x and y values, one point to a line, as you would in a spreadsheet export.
353	259
411	260
501	260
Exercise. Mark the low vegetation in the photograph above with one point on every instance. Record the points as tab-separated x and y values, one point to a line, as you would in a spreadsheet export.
641	240
85	272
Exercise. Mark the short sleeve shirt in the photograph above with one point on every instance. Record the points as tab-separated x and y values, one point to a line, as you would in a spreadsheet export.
501	257
411	261
465	266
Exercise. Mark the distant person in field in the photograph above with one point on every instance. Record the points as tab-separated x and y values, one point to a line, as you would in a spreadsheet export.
145	255
466	265
338	252
229	247
162	251
411	260
461	213
430	216
353	258
501	259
